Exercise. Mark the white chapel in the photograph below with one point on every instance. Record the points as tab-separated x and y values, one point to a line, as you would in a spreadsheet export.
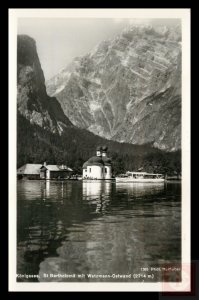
99	166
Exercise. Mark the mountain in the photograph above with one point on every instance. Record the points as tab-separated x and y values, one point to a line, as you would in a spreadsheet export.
74	146
32	100
127	89
44	133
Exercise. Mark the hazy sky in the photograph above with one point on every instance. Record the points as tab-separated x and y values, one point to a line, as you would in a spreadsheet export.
59	41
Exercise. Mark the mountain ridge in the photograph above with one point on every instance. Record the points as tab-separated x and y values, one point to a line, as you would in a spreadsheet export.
121	89
32	99
40	139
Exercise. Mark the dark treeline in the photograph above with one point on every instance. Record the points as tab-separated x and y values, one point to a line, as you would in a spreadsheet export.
75	146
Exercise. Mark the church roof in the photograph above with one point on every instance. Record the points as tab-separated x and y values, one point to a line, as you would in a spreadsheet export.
106	160
104	148
97	161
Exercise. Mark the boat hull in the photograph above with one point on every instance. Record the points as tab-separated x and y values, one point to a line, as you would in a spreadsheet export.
141	180
98	180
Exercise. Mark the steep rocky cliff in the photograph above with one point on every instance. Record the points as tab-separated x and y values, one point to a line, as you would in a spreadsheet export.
32	100
44	133
127	89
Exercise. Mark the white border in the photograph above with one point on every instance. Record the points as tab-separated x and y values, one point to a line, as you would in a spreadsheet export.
14	14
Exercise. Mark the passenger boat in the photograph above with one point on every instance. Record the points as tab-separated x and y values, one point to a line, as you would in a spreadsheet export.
140	177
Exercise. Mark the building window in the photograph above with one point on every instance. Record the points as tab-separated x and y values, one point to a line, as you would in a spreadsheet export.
105	170
90	170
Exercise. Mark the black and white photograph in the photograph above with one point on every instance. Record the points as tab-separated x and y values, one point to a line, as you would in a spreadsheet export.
99	108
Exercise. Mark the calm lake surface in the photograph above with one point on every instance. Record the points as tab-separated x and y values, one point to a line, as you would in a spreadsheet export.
76	228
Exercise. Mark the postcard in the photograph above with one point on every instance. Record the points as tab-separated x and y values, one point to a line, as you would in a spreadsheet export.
99	140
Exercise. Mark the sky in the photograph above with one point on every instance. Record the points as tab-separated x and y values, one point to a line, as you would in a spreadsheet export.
60	40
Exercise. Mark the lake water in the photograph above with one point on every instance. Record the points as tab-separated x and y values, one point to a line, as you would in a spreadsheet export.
115	232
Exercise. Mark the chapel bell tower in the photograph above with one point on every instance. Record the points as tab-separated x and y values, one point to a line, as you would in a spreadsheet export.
99	151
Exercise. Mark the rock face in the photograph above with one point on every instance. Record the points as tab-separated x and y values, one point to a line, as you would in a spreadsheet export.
32	100
127	89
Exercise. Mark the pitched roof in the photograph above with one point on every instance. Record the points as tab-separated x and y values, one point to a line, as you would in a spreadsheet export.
29	169
52	168
69	169
58	168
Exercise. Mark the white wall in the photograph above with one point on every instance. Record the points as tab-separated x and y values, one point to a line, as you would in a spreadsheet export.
93	172
108	173
97	172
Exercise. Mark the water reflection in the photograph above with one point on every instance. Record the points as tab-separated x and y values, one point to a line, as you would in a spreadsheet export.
96	227
97	193
140	189
95	189
46	188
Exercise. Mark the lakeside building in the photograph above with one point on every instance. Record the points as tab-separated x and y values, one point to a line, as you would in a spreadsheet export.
44	171
98	166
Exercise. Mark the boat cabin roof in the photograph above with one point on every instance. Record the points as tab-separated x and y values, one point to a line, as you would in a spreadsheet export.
142	173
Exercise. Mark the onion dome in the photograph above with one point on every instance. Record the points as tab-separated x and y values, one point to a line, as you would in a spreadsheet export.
99	148
104	148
